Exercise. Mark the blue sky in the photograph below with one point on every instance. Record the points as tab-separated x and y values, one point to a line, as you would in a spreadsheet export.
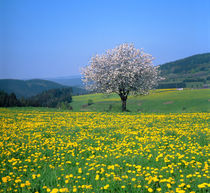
48	38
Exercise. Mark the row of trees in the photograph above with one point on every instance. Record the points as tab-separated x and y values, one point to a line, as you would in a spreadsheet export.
172	85
52	98
183	84
196	80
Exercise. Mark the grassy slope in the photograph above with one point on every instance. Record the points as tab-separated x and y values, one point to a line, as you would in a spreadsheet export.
159	101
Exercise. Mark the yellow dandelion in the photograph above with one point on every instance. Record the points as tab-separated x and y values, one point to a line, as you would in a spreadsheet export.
97	177
4	179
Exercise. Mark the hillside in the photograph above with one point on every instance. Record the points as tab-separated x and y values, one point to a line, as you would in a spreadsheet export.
158	101
191	72
28	88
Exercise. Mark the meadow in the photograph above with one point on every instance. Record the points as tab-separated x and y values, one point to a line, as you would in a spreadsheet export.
58	151
158	101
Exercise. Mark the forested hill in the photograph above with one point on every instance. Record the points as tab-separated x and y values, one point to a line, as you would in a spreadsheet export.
27	88
187	72
192	64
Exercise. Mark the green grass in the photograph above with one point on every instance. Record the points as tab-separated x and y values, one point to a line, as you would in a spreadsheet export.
158	101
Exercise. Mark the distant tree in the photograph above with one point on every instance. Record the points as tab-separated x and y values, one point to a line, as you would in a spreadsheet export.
122	70
3	99
13	100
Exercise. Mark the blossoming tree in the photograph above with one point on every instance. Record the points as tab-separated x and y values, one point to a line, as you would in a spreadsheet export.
122	70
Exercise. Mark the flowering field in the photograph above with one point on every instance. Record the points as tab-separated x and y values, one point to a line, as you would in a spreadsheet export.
44	151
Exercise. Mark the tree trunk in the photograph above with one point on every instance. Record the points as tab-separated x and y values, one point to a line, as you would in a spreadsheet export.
123	95
124	104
